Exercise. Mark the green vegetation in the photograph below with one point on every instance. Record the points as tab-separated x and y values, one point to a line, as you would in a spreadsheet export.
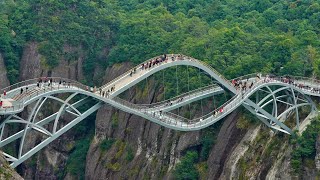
193	164
304	149
113	166
207	141
84	132
75	163
6	172
202	169
130	154
235	37
106	144
114	120
187	169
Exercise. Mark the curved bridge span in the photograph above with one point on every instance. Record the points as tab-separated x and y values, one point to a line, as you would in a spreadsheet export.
272	99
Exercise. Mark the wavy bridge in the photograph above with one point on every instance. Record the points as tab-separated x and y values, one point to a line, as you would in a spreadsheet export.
281	103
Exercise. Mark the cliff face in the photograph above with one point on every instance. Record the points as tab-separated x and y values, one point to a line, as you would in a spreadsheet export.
32	67
4	82
6	172
141	149
51	160
155	149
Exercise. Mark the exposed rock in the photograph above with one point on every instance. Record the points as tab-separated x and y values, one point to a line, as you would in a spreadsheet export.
229	136
30	65
317	158
71	69
230	167
53	157
6	172
281	168
156	149
188	139
4	82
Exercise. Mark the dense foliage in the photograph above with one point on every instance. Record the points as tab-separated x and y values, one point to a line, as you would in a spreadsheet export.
304	149
83	134
186	169
236	37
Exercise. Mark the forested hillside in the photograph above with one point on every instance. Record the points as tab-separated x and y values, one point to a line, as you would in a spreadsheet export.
95	41
239	37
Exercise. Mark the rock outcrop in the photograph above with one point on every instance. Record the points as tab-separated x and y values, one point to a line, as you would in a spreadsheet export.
6	172
30	64
156	149
48	162
317	158
32	67
141	149
4	82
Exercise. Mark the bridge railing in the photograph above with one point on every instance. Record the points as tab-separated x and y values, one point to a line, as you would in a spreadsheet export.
209	67
183	57
127	73
228	105
183	96
304	79
35	80
17	99
178	120
247	76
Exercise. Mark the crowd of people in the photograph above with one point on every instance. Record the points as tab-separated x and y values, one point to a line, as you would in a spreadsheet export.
49	82
106	93
242	85
170	102
158	61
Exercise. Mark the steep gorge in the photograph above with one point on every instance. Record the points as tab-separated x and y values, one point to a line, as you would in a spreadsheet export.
141	149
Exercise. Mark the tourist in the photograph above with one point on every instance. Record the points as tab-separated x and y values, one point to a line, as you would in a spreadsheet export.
21	90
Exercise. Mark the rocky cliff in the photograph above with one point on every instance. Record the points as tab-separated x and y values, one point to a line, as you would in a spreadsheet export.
6	172
47	163
4	82
32	65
